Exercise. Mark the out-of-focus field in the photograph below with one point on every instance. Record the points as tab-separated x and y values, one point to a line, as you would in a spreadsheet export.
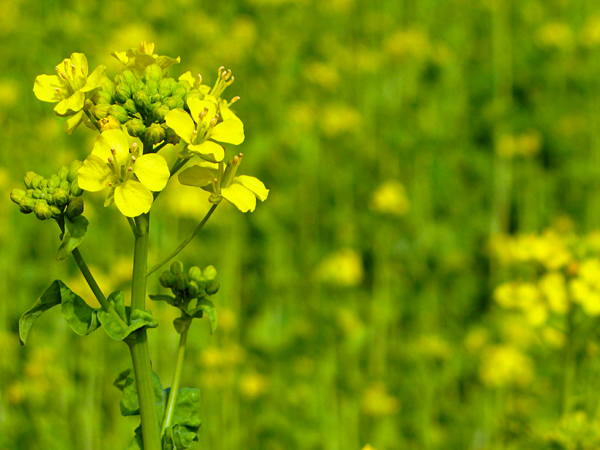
397	288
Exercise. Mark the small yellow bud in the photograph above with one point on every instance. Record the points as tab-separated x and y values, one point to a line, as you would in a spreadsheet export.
109	123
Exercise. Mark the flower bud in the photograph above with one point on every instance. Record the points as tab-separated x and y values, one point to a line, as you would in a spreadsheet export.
181	282
75	207
73	169
141	99
37	193
129	106
153	72
154	134
156	98
179	90
64	185
165	86
75	189
43	183
42	210
119	112
109	123
167	279
27	204
54	181
101	111
61	197
102	98
136	128
171	102
17	194
123	92
192	289
210	273
151	87
29	177
195	273
176	267
212	287
56	212
108	87
159	113
62	173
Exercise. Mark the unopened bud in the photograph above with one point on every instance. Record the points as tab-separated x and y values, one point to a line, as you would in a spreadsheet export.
195	273
62	173
167	279
192	289
54	182
176	267
42	210
154	134
75	207
75	189
109	123
61	197
29	177
153	72
165	86
16	195
119	112
56	212
123	92
136	128
172	137
129	106
100	111
210	273
27	204
73	169
212	287
159	113
151	87
141	99
179	90
108	87
64	184
103	98
181	282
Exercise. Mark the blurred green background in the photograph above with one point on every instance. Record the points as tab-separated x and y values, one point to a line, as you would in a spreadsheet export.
399	139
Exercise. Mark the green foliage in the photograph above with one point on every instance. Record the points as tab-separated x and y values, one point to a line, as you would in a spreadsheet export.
75	230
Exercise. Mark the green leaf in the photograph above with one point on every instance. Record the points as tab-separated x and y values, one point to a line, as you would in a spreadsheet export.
186	421
81	317
117	300
163	298
75	230
137	443
130	405
138	319
209	308
50	298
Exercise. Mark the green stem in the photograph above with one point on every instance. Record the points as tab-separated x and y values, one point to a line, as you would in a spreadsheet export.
138	345
187	240
170	410
85	271
92	119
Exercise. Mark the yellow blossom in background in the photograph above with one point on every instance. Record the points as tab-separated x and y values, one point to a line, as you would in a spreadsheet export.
253	385
376	401
553	337
586	296
554	288
338	118
409	42
433	347
341	268
9	93
503	365
556	35
390	198
590	35
518	332
476	339
526	144
368	447
324	75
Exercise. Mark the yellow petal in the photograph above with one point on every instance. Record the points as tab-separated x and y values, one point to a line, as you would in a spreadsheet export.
45	88
71	105
197	106
239	196
208	149
73	122
230	131
255	185
152	171
182	124
79	61
225	112
196	176
132	198
189	78
95	79
109	140
121	56
94	174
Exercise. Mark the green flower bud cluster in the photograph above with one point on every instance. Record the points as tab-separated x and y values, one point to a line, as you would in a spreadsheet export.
49	198
196	283
141	103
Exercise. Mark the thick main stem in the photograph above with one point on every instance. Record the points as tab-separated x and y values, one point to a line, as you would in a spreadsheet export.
138	345
176	378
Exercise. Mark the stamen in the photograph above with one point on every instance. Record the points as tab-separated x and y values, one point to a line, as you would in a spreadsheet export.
234	99
113	151
213	122
133	160
230	82
110	160
57	90
108	183
203	113
130	169
199	79
221	69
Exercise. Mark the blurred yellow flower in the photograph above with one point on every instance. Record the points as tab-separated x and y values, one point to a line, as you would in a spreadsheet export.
390	198
409	42
476	339
341	268
324	75
376	401
503	365
526	144
554	288
556	35
338	118
253	385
